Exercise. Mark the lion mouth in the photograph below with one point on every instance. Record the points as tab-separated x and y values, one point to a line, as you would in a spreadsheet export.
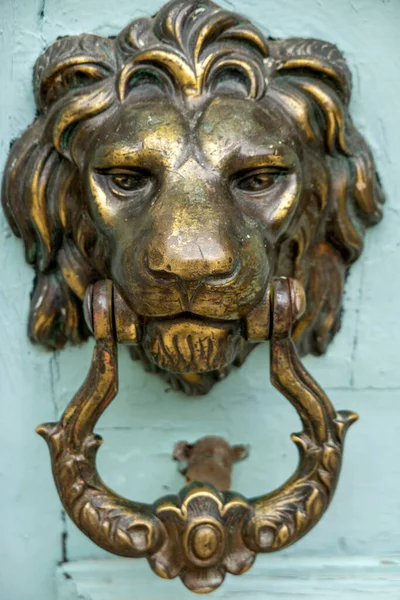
188	344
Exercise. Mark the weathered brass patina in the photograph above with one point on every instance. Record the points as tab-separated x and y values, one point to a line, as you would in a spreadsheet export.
203	532
190	160
207	190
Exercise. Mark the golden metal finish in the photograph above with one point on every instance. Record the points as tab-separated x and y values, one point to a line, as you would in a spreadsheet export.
190	160
190	189
203	532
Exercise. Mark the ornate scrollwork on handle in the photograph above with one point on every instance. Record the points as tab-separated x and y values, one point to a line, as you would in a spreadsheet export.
201	533
285	515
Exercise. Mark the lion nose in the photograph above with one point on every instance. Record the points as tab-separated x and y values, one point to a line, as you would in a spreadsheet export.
200	259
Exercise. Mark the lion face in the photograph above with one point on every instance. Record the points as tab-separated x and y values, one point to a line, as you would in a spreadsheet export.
190	161
193	206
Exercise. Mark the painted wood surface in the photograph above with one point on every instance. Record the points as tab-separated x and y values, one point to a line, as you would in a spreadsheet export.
361	578
360	372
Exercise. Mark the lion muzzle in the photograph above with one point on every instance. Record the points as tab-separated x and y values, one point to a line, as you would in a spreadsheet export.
191	346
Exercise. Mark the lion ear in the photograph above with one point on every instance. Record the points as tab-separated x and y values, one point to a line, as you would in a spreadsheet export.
300	55
72	63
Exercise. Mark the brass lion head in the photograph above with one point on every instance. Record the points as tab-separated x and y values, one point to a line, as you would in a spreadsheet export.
190	160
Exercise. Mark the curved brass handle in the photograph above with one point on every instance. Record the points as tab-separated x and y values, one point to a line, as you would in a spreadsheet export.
201	533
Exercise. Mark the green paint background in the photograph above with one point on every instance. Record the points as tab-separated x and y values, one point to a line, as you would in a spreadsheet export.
361	370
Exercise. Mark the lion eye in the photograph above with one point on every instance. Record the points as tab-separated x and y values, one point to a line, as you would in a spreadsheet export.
258	181
129	182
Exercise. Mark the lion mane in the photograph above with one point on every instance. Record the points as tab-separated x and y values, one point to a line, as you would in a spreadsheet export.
185	49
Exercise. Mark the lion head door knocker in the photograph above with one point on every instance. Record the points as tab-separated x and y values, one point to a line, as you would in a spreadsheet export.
190	189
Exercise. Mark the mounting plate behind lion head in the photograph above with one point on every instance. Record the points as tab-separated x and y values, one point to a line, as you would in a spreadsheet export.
190	160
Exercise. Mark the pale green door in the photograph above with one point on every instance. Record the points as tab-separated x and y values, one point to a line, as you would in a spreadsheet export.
355	551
